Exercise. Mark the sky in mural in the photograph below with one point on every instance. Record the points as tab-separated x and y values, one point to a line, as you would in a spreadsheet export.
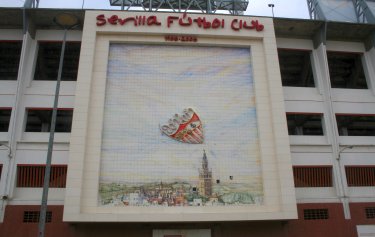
148	84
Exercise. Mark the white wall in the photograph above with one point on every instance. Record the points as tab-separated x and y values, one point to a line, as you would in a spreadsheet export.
31	148
324	150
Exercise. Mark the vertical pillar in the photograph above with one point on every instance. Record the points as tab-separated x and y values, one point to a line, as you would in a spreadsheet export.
324	86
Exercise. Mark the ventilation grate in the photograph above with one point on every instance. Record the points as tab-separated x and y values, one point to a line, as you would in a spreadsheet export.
32	176
370	212
315	214
312	176
360	176
33	216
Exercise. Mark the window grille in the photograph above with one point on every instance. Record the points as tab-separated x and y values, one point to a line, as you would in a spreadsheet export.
360	175
32	176
33	216
315	214
310	176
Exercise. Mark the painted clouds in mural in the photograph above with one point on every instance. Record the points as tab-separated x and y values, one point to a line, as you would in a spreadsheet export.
146	86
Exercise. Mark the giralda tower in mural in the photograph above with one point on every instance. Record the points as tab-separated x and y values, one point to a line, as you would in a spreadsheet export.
205	178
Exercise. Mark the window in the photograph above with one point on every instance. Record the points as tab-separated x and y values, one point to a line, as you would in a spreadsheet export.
370	212
312	176
360	176
304	124
5	114
315	214
10	53
33	216
295	68
32	176
39	120
355	125
346	70
48	60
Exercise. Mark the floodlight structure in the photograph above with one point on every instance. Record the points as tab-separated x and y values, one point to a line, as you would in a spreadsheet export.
234	7
31	4
271	5
365	10
359	11
315	10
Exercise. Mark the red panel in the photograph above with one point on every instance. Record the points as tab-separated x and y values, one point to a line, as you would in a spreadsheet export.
335	226
304	113
358	213
13	225
355	115
47	108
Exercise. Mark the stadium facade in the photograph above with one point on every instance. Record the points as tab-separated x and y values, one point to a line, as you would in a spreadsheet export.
186	124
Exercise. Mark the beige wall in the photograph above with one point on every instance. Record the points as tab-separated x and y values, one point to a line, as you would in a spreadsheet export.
81	202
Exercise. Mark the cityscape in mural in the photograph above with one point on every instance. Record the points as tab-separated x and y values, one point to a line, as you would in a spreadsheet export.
207	192
206	155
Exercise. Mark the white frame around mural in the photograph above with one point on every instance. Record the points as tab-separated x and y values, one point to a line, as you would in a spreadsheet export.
81	201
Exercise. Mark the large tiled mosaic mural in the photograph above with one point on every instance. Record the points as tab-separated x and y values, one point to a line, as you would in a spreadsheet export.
180	128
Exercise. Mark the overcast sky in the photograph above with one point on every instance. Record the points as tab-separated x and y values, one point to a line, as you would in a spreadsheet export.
283	8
